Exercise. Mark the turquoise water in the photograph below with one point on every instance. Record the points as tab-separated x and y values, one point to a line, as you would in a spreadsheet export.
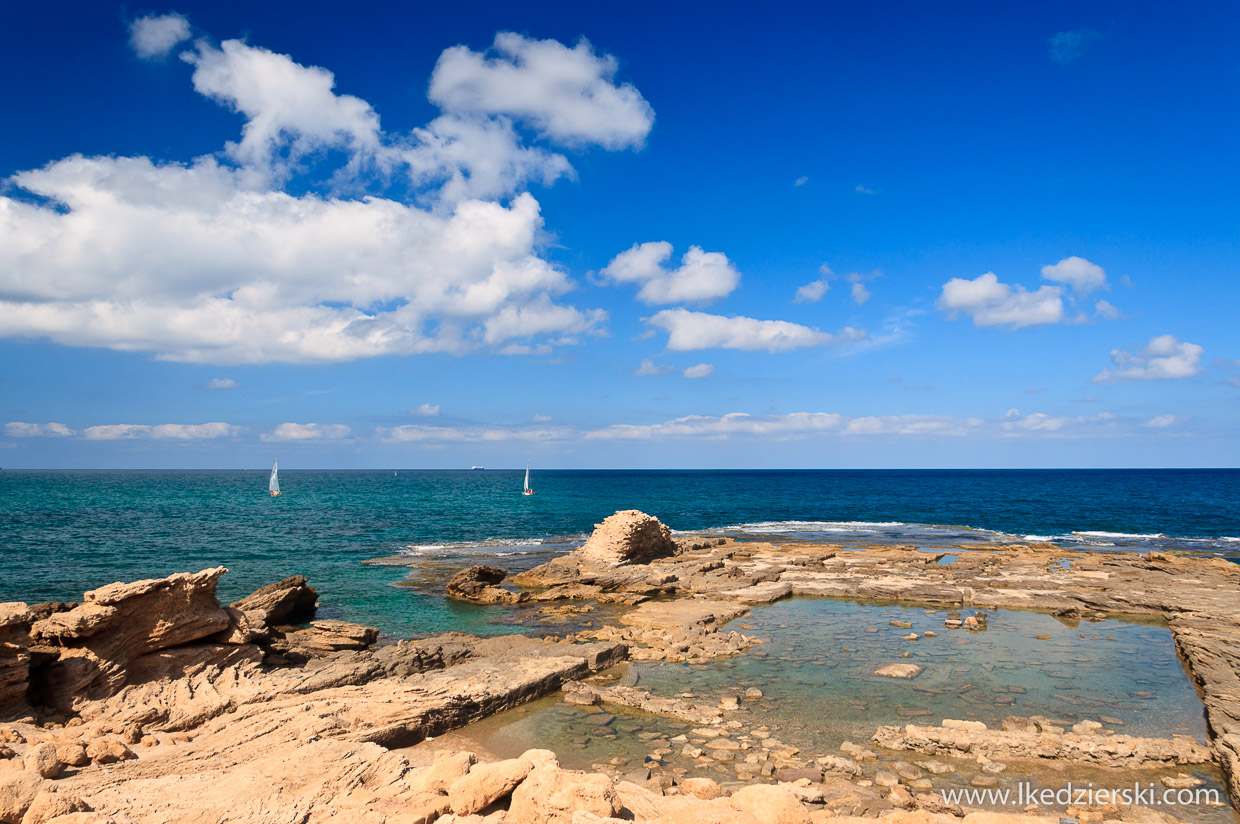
816	674
64	532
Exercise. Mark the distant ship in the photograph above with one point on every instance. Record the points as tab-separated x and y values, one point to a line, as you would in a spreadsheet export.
526	488
477	467
273	485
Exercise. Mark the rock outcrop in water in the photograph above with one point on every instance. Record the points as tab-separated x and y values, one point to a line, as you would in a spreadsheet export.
480	584
628	537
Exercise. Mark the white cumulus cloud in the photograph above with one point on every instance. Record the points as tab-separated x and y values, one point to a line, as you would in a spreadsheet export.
154	36
568	94
1165	357
307	432
992	303
215	261
290	109
701	276
1077	272
688	330
1163	421
700	370
429	410
222	383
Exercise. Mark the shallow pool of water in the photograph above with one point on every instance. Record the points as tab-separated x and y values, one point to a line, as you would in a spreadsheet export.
816	673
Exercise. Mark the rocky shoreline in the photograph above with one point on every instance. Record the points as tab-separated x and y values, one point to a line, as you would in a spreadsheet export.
151	701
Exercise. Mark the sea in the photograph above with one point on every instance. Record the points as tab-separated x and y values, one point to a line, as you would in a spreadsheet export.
64	532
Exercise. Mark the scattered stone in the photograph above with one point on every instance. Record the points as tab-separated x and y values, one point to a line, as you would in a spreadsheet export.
899	671
703	788
753	694
41	759
109	751
1182	781
886	778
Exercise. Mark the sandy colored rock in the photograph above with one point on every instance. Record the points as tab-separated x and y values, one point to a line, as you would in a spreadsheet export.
50	804
42	760
770	804
72	755
328	636
628	537
15	621
118	623
485	784
109	751
899	671
18	789
703	788
550	795
290	601
447	767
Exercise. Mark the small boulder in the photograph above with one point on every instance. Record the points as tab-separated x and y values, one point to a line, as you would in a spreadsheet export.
473	583
109	751
41	759
485	784
770	804
49	805
72	755
899	671
550	795
703	788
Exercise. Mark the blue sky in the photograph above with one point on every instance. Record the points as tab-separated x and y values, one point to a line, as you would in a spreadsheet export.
847	236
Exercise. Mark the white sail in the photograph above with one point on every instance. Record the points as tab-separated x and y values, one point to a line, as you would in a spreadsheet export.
273	486
526	488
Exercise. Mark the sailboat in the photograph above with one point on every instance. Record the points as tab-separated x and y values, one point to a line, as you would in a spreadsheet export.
526	489
273	486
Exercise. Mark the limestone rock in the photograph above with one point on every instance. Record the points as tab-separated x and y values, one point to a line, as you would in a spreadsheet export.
15	621
479	584
469	581
899	671
109	751
628	537
18	789
119	623
550	795
72	755
42	759
290	601
703	788
328	636
447	767
485	784
49	805
770	804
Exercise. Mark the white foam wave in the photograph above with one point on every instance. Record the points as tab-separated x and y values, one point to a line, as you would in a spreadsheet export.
1130	536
